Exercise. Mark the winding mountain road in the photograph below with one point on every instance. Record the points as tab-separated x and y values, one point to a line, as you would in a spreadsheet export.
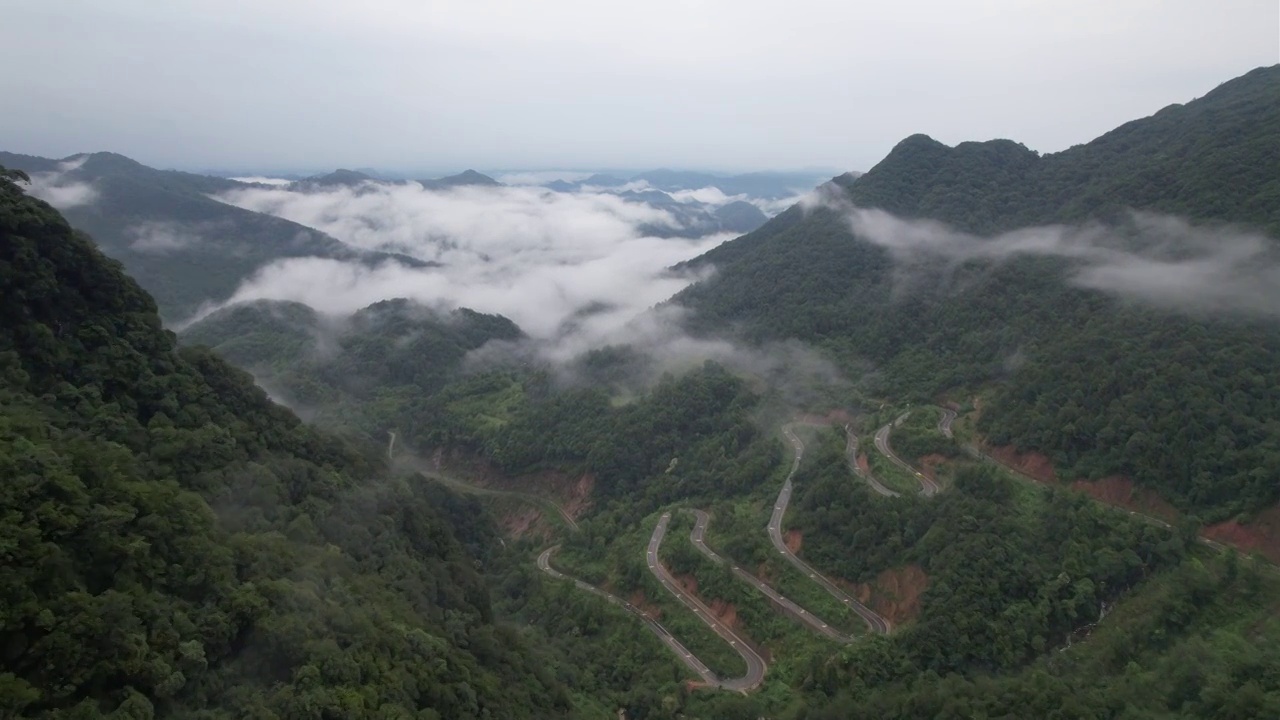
851	452
944	423
688	658
873	619
928	487
756	665
815	623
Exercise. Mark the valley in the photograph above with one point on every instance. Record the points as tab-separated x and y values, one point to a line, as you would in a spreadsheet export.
980	432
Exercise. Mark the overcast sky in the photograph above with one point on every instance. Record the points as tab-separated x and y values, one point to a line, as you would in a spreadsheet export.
716	84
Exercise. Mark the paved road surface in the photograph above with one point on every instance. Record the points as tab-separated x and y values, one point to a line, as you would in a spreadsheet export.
944	424
928	487
873	620
851	452
755	664
688	658
815	623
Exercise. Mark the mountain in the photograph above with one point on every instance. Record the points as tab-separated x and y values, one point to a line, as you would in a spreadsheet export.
361	372
337	178
341	178
693	219
676	179
184	247
757	185
761	185
740	216
177	546
604	180
1181	400
462	179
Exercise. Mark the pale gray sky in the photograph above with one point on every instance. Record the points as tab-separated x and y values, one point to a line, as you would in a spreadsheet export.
720	84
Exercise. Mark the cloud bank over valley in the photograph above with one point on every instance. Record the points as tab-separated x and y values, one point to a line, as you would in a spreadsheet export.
1155	259
574	267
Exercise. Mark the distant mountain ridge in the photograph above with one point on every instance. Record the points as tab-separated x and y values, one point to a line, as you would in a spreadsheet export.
320	361
177	546
755	185
182	246
354	178
1085	378
689	218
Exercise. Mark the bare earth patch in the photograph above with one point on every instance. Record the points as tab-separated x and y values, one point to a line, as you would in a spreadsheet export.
639	600
520	523
929	465
726	612
1033	464
1261	534
570	491
1120	491
793	540
864	465
896	592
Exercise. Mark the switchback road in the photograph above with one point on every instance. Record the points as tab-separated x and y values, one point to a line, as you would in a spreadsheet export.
688	658
873	620
944	423
928	487
818	625
755	664
851	452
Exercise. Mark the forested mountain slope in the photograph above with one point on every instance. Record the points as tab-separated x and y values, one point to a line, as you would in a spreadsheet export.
175	545
1183	401
182	246
361	372
397	366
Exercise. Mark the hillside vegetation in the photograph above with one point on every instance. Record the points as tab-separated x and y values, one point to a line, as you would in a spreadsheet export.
175	545
1184	402
182	246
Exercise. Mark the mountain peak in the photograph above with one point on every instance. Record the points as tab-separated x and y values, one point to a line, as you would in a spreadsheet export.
471	177
341	176
462	179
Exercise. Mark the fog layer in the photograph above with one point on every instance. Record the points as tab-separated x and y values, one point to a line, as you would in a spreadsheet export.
570	267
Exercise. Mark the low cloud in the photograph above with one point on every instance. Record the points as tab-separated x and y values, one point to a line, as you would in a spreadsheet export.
1155	259
60	191
160	237
541	177
709	195
259	180
773	207
575	271
502	225
570	268
657	337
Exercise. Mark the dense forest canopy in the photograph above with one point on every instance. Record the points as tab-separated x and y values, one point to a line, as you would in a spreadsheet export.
183	246
1184	402
176	545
